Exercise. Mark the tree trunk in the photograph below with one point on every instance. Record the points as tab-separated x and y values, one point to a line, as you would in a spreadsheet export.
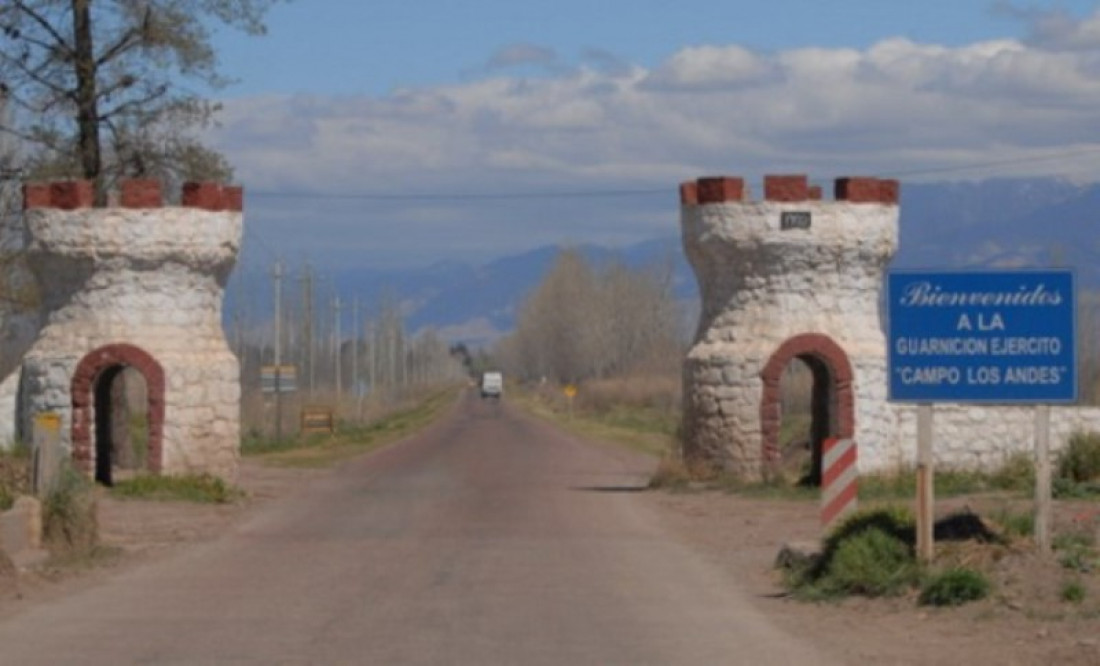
84	65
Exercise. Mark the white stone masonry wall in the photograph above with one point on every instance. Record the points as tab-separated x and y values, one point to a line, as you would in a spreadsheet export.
140	286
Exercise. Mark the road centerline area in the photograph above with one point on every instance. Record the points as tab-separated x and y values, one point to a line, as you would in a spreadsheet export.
490	538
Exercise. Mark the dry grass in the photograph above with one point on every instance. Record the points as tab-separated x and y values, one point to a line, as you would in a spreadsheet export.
642	413
654	392
351	439
258	409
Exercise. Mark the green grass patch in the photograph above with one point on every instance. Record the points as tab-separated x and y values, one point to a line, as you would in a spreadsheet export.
202	489
869	554
1063	488
1015	524
1015	475
351	440
1077	551
954	587
1073	591
675	475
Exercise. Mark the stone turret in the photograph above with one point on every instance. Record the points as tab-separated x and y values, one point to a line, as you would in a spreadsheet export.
137	286
792	276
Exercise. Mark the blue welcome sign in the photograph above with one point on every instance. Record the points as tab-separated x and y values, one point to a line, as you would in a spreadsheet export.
1005	336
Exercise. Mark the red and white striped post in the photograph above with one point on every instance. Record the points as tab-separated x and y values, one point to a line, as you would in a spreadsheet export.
839	480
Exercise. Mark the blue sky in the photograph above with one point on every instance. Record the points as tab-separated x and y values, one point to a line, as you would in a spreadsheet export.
395	133
352	47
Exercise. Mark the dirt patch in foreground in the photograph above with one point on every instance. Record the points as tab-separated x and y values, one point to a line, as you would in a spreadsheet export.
137	531
1025	622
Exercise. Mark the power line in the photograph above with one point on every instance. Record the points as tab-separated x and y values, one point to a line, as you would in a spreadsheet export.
625	192
996	163
468	196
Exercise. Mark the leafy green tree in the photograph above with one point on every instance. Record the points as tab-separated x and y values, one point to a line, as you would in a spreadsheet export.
96	87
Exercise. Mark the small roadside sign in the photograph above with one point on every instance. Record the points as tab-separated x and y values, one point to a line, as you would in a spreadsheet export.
281	378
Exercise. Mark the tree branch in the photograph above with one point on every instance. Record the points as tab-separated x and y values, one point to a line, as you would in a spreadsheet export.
21	6
38	78
129	39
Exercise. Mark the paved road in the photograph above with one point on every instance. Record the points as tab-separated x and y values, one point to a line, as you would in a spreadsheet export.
488	539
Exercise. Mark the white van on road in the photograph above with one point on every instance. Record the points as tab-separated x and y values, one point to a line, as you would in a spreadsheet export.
492	385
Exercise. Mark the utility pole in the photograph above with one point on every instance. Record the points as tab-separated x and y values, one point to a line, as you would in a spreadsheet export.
355	347
372	375
307	322
336	346
278	275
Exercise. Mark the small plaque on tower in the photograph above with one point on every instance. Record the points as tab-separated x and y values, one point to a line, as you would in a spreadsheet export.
794	220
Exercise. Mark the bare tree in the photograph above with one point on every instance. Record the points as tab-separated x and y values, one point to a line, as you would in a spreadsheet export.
583	323
19	296
96	85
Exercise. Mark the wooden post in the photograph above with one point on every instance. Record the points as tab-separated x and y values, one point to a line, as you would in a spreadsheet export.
925	487
1043	509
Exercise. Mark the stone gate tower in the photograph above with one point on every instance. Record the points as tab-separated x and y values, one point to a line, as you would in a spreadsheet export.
788	277
135	287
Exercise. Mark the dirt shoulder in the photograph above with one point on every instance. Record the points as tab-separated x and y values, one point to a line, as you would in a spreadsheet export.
136	531
1025	622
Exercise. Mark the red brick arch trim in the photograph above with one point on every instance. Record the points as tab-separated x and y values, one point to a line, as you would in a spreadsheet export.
824	349
83	396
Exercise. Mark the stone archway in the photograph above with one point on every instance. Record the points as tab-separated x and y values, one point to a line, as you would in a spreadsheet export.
833	398
102	365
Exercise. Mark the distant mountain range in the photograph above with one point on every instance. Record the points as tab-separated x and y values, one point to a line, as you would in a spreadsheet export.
997	223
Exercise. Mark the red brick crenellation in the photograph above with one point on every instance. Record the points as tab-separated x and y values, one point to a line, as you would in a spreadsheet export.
719	190
867	190
786	188
789	188
141	193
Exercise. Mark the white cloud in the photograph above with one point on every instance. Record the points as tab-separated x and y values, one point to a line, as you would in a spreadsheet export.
895	107
701	68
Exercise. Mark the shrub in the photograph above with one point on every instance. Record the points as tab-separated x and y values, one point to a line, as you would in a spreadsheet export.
69	521
1073	591
872	563
954	587
14	476
898	522
870	553
1080	462
1075	551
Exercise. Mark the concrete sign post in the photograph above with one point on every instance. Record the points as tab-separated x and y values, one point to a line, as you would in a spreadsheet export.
46	463
982	337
